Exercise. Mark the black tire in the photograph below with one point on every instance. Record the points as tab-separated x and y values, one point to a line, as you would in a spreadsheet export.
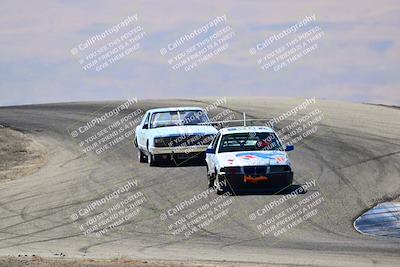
210	178
141	156
151	160
220	187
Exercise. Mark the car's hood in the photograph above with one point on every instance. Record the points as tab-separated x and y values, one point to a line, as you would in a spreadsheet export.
253	158
183	130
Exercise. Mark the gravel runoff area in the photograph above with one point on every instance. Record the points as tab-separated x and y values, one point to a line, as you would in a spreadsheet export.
20	154
23	261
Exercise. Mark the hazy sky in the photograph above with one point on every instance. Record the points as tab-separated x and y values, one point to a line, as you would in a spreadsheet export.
357	58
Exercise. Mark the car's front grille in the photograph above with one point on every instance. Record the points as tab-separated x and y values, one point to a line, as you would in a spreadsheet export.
190	140
280	168
185	140
254	170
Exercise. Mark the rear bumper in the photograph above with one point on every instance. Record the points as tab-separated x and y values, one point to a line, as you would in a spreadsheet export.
262	181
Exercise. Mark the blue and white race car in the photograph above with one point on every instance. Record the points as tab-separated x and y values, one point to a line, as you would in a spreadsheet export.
248	158
169	133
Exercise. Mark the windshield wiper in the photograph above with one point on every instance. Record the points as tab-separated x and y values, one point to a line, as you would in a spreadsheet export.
159	126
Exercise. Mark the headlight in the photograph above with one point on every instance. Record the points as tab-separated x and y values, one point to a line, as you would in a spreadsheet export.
161	141
231	170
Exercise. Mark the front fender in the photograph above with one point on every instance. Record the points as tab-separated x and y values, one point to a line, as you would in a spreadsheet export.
218	167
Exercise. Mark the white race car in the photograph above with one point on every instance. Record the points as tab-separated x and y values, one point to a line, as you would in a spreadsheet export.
248	158
169	133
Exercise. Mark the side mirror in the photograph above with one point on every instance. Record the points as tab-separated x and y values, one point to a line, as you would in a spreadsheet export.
289	148
145	126
210	151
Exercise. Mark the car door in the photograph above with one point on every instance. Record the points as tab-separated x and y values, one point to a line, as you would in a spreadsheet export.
142	131
210	158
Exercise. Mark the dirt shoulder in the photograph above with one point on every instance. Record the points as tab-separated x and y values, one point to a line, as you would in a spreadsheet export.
20	155
46	262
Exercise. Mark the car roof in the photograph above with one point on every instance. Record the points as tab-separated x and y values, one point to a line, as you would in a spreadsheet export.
173	109
246	129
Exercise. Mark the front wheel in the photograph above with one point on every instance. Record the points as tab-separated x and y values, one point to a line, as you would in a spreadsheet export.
151	160
210	178
220	184
141	156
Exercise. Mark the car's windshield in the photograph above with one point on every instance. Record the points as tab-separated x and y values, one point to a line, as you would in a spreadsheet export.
249	142
174	118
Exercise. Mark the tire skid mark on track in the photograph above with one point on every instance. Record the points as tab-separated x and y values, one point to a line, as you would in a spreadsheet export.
85	249
40	241
373	138
371	159
333	169
62	165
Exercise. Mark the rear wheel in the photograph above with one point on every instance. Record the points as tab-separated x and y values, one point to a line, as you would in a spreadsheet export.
141	156
210	178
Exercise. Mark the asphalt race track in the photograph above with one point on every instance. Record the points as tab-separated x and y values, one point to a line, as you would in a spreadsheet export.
354	159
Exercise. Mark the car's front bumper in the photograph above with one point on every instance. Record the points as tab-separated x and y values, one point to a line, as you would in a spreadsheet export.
177	150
